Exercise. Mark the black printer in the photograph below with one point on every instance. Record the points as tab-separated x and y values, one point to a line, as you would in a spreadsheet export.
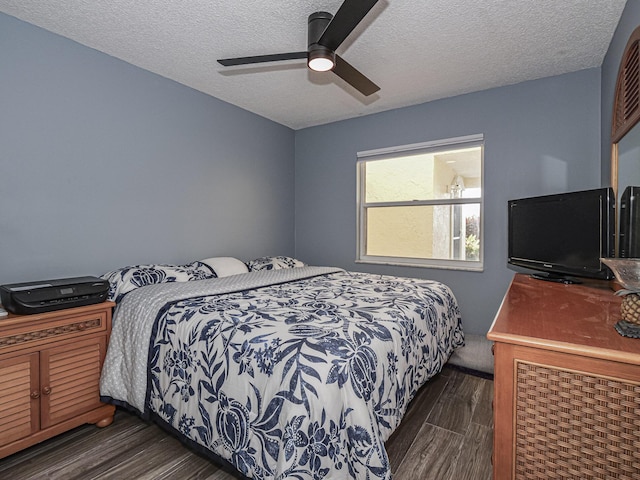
49	295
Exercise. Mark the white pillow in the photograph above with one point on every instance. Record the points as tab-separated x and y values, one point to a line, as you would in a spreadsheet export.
226	266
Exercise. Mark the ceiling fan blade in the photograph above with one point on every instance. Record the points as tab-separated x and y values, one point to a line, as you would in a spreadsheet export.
354	78
230	62
348	16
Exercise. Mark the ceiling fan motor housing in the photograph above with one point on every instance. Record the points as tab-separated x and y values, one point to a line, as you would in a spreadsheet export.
317	24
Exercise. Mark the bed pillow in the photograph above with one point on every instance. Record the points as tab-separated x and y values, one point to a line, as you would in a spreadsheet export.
226	266
273	263
124	280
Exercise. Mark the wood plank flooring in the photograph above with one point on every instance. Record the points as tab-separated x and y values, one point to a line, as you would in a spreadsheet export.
446	435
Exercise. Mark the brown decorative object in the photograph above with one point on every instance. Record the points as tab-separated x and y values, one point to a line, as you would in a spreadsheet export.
566	384
50	367
630	308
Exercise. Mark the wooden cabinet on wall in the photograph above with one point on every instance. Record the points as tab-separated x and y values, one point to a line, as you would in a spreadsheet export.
49	374
567	385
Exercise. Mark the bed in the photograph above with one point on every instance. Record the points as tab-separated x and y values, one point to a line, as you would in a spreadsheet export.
286	371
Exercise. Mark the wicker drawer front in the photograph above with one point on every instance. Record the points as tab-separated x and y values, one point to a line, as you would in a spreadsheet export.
574	425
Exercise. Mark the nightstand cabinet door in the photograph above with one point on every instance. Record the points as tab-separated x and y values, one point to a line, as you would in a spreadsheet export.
19	402
69	381
50	367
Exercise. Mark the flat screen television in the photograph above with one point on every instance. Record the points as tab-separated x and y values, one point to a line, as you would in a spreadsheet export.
563	235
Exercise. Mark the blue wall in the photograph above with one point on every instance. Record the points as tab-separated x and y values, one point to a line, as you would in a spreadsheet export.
103	164
541	137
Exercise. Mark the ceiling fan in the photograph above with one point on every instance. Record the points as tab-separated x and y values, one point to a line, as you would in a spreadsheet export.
325	33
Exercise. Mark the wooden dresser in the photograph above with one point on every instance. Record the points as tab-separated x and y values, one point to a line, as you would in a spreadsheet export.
49	374
567	385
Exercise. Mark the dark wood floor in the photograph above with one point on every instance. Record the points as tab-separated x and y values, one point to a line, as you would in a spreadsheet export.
445	435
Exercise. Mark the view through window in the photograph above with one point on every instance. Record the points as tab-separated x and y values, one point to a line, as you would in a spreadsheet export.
422	204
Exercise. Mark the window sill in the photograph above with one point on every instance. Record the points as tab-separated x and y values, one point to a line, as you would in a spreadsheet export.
414	262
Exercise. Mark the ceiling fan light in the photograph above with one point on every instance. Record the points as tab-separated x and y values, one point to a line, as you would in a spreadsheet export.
320	64
321	59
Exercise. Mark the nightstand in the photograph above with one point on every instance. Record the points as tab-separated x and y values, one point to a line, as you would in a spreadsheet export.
50	367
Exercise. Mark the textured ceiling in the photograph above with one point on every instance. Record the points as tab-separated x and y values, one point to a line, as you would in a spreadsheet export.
415	50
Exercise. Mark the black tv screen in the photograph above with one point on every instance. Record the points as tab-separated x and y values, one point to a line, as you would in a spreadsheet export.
564	234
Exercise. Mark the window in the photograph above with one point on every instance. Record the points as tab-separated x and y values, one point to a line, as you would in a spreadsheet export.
422	204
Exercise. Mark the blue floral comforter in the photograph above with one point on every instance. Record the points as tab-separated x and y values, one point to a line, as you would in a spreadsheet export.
299	378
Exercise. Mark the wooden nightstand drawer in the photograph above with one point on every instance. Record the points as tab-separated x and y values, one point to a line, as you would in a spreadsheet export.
20	331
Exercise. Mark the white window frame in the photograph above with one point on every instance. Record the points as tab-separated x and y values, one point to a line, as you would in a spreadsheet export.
400	151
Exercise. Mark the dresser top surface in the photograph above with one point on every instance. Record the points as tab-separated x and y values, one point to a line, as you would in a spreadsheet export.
574	318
